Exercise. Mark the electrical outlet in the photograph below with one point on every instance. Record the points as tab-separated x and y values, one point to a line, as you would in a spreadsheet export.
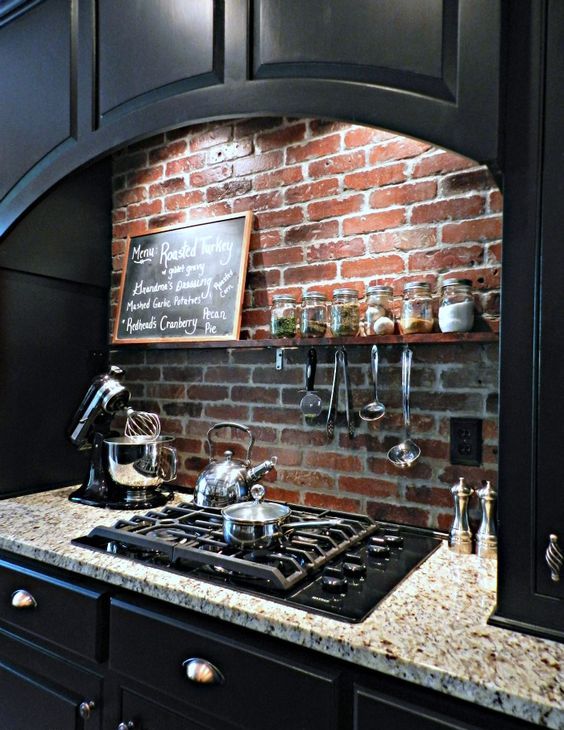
466	441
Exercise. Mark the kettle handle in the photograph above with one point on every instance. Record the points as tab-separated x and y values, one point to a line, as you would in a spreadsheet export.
230	424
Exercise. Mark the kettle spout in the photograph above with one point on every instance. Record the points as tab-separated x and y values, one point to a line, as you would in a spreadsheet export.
258	471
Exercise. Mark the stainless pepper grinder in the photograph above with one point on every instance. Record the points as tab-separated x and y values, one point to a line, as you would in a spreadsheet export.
486	537
460	535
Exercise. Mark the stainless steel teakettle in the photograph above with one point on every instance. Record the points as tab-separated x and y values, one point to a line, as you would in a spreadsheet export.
229	480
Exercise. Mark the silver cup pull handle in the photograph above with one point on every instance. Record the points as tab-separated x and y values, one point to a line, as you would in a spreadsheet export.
23	599
126	726
202	672
554	558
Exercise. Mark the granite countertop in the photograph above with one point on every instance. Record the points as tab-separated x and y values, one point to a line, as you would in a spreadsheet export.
431	630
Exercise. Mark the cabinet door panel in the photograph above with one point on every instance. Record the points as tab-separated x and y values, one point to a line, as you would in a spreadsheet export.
550	486
35	87
170	642
144	47
147	715
379	40
26	704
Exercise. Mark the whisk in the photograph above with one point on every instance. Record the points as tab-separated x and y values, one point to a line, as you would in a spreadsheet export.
142	425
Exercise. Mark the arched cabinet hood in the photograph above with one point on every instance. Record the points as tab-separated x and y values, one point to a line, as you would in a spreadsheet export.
88	76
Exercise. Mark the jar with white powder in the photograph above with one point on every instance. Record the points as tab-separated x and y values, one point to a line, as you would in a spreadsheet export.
456	310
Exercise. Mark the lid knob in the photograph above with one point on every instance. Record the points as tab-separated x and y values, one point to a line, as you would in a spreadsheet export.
228	454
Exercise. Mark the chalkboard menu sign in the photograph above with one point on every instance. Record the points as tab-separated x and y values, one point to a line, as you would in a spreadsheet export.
184	284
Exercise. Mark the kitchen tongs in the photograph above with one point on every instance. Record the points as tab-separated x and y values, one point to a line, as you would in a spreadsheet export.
341	363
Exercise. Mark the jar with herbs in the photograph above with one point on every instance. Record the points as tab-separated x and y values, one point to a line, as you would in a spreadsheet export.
314	314
283	316
345	313
379	310
416	309
456	310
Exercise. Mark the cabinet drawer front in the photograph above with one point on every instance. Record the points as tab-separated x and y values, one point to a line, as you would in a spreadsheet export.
26	704
52	609
258	689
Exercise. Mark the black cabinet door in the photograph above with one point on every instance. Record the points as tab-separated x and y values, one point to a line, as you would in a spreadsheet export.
27	703
406	707
146	715
531	507
35	87
550	482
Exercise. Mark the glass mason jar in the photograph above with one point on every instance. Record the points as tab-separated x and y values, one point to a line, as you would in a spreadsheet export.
345	313
379	310
314	314
456	310
283	316
416	308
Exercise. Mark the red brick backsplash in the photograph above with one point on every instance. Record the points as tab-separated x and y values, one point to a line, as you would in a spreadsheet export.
334	204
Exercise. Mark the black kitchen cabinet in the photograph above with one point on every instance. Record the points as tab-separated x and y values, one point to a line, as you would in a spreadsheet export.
531	507
251	680
403	709
143	684
81	79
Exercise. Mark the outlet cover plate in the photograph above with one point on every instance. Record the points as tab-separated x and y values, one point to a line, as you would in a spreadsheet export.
466	441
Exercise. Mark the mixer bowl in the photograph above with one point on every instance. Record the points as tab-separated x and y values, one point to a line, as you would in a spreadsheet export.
140	464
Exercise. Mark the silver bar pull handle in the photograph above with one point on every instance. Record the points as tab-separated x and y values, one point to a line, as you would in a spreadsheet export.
23	599
202	672
554	558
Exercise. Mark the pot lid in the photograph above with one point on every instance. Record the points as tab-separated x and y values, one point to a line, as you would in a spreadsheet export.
256	512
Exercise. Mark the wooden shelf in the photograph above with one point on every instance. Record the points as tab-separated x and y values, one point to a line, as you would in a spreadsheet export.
433	338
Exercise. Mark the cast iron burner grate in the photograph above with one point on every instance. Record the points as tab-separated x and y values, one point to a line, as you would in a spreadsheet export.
189	535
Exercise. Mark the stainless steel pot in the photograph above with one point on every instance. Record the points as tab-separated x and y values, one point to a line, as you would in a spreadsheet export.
136	464
259	525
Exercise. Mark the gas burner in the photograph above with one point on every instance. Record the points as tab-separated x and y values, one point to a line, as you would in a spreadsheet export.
168	534
341	571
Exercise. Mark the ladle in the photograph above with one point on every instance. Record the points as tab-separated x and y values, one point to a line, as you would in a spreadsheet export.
376	409
406	452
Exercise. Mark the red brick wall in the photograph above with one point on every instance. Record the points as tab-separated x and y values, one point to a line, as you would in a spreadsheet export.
333	204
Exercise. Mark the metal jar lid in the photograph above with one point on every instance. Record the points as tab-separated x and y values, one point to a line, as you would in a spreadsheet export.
315	296
290	298
345	293
379	289
417	285
456	282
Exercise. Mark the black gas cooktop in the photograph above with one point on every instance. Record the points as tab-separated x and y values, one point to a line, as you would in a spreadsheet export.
341	571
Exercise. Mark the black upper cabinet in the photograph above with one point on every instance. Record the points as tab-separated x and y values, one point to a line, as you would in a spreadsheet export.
531	507
86	78
35	88
549	498
176	44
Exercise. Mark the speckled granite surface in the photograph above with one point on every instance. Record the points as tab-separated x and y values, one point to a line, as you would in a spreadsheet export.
431	630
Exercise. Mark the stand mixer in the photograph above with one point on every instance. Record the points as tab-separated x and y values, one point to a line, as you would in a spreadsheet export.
125	472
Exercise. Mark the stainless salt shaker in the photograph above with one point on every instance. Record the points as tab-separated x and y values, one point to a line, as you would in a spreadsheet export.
486	537
460	535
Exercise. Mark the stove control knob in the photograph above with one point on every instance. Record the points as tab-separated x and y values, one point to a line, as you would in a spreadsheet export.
334	583
393	540
378	551
354	570
377	541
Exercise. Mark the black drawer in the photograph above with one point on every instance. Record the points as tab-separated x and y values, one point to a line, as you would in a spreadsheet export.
68	615
258	689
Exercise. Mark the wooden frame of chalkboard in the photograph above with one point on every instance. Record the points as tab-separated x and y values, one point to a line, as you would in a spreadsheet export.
183	284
